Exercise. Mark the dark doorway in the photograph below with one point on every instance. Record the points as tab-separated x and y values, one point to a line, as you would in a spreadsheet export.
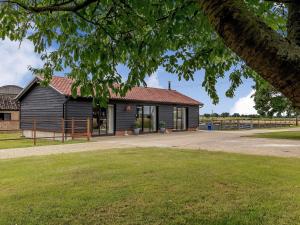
103	121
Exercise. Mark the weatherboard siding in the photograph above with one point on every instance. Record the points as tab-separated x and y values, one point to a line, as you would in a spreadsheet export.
125	119
193	116
165	113
43	104
48	107
79	110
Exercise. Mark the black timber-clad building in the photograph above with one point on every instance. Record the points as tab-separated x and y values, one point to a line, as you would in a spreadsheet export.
143	105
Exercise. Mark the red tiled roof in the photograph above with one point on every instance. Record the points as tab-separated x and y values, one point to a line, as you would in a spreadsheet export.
145	94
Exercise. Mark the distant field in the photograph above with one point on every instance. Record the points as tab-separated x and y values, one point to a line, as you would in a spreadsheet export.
291	135
150	186
18	142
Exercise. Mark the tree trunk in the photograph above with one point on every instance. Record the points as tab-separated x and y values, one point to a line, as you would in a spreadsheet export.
293	25
275	58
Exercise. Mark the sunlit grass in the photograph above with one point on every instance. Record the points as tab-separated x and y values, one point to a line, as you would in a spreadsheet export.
150	186
15	140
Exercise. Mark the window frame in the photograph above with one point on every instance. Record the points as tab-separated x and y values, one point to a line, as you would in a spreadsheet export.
3	116
175	118
142	107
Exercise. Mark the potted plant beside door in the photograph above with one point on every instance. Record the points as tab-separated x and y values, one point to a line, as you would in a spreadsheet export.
162	127
137	128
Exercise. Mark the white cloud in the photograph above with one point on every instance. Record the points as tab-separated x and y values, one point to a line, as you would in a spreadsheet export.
153	81
245	105
15	60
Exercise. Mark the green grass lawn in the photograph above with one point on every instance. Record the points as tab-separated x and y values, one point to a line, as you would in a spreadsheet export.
150	186
293	135
22	142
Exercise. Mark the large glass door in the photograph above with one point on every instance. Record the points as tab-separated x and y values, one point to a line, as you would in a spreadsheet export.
103	121
179	118
146	117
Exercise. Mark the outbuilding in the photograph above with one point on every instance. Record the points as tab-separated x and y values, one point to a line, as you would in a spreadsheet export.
143	105
9	108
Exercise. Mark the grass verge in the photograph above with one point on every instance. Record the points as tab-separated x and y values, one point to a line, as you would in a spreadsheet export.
291	135
19	142
150	186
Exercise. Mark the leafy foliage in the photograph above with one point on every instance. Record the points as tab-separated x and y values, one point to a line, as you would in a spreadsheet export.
270	102
88	44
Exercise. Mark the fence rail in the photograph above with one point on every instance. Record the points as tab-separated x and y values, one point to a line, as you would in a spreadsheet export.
50	128
237	124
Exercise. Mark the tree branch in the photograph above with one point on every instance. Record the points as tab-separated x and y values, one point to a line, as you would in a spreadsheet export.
70	6
272	56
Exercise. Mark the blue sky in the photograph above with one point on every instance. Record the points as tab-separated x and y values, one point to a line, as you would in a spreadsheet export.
14	70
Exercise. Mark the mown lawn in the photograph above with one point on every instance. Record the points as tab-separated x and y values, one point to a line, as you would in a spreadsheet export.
150	186
14	140
292	135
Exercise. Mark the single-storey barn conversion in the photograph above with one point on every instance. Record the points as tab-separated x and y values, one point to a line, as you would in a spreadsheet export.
143	105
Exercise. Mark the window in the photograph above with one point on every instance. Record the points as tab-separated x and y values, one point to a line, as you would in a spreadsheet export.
179	118
146	116
5	116
103	120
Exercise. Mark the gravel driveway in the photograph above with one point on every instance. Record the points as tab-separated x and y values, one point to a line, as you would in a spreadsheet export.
226	141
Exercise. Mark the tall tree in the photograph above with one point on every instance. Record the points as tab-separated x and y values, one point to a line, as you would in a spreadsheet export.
92	37
269	102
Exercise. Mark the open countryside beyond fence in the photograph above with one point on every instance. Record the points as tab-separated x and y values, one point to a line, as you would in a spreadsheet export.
244	123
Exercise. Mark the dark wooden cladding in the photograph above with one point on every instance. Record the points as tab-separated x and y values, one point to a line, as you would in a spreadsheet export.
47	106
125	119
79	110
43	104
165	113
125	116
193	116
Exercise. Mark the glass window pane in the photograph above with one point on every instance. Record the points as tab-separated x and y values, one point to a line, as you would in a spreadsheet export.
153	118
110	118
139	115
7	116
147	119
184	118
103	121
174	118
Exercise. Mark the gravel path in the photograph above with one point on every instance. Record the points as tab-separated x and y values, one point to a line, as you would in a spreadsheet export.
227	141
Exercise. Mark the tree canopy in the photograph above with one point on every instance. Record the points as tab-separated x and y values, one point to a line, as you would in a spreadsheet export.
90	38
269	102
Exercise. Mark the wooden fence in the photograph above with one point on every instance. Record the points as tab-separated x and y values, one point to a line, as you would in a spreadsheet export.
236	124
51	129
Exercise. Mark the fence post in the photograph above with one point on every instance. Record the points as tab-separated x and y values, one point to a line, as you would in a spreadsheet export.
62	130
238	123
72	128
88	130
34	132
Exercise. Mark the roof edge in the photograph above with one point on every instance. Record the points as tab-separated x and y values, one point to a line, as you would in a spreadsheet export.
32	82
159	102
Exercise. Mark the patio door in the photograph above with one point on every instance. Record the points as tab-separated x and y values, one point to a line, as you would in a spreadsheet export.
103	121
179	118
147	118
